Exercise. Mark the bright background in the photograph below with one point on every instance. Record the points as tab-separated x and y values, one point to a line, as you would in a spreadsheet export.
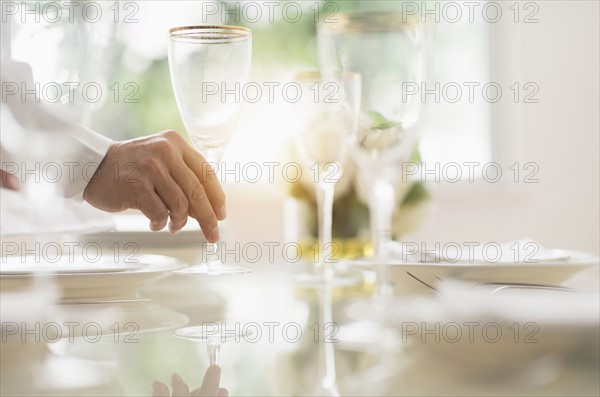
560	133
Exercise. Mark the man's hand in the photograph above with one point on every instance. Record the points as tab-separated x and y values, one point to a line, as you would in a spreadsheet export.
163	177
209	387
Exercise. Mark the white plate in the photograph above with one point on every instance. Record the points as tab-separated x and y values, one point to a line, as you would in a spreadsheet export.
91	286
527	324
424	275
524	250
77	264
134	228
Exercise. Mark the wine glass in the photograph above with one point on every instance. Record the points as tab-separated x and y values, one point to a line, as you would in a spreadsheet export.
387	49
326	114
208	65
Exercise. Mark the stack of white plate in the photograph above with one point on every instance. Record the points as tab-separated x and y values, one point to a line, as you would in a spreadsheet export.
85	279
133	227
535	265
105	290
486	340
132	234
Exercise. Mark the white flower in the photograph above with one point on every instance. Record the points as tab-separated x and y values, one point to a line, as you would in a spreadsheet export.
324	137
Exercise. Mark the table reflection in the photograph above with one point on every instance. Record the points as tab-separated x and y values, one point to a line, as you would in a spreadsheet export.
399	356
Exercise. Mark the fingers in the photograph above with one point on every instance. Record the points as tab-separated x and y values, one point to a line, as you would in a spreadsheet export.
174	199
159	389
8	181
200	185
154	209
208	178
199	202
210	383
210	386
180	388
173	181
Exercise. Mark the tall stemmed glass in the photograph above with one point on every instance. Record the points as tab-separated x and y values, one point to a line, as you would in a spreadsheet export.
326	115
208	64
387	49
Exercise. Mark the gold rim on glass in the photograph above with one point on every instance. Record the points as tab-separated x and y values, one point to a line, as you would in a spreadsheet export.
317	76
211	33
374	22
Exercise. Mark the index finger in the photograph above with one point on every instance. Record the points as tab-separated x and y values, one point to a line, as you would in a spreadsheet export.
198	199
210	383
159	389
207	176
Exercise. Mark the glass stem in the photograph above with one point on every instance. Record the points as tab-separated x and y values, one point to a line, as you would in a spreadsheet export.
325	192
213	350
212	256
381	209
212	166
326	349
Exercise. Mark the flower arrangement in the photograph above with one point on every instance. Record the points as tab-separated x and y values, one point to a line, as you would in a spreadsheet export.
350	210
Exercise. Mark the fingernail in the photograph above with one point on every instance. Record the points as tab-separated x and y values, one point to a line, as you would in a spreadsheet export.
222	213
173	230
156	226
213	236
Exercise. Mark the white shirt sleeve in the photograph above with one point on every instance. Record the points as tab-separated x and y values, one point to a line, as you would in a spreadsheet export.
41	137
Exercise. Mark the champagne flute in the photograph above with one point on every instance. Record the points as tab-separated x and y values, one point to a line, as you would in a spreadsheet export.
387	49
208	65
326	114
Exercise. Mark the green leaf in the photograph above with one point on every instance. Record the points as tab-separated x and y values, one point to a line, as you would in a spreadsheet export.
415	157
379	122
417	193
386	125
377	117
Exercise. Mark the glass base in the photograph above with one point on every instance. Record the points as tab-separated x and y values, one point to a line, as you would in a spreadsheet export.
315	280
212	270
366	262
329	391
214	333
